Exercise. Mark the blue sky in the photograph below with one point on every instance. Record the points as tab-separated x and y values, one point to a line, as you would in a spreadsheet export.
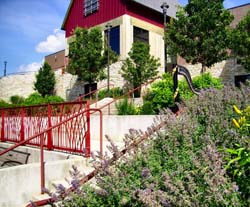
30	30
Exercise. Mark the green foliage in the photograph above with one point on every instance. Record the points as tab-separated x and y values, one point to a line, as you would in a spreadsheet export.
4	104
114	92
17	99
147	108
45	80
180	165
241	41
36	99
161	94
33	99
238	166
126	107
53	99
200	32
86	56
140	66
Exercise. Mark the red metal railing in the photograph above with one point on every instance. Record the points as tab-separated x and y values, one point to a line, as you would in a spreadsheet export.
44	135
20	123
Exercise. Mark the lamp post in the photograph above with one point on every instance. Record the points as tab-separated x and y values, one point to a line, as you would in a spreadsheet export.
165	7
108	27
5	64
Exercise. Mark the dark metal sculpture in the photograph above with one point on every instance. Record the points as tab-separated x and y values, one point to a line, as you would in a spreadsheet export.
181	70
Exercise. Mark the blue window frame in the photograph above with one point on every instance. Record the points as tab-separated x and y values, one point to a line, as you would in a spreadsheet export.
115	39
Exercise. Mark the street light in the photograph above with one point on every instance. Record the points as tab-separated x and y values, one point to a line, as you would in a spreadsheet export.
108	27
165	7
5	64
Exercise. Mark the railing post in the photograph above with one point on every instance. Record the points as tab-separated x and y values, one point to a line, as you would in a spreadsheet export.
50	141
42	167
101	129
87	139
22	125
2	126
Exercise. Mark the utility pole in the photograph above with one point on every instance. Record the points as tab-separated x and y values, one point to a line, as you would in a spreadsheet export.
165	7
5	65
108	27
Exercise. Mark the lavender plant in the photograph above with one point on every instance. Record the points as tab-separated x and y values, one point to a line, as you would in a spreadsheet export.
180	165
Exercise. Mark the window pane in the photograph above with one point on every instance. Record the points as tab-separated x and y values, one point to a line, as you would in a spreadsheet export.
141	35
114	39
90	6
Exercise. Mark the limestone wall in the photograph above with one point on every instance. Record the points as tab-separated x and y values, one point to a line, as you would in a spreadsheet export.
23	84
226	70
69	87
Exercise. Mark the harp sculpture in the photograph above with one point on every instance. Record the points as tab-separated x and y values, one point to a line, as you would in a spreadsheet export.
180	70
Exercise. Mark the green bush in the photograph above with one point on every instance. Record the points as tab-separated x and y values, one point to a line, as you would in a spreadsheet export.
36	99
147	108
17	99
33	99
53	99
114	92
161	94
4	104
125	107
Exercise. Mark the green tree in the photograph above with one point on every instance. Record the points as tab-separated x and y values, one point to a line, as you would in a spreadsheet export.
140	66
200	32
87	56
45	80
241	41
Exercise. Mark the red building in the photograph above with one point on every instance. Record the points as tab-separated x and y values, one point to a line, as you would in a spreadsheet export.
130	19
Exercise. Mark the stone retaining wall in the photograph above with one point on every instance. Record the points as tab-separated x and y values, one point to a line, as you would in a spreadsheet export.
69	87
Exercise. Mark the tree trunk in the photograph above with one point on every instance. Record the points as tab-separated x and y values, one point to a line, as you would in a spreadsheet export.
203	68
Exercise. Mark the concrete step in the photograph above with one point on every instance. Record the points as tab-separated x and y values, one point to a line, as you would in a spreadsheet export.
110	109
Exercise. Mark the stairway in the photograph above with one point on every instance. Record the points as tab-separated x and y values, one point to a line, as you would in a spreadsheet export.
107	108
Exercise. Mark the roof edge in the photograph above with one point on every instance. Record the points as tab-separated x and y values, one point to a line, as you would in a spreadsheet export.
238	6
67	15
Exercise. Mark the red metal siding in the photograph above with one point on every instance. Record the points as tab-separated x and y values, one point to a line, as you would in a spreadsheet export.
108	9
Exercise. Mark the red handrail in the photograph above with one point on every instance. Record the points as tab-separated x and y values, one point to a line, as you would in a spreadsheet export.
41	135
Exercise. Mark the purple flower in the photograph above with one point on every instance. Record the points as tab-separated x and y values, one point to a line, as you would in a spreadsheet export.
146	173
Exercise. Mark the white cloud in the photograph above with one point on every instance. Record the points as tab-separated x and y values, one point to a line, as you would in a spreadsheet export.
53	43
35	66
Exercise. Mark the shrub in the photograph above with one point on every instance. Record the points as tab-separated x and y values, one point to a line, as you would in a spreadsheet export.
4	104
34	99
161	94
17	99
125	107
114	92
147	108
53	99
182	165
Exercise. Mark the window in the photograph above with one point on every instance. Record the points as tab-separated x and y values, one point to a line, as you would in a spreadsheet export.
90	6
141	35
114	39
